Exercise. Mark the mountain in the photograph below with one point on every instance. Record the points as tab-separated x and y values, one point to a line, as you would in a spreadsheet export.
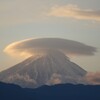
56	92
53	67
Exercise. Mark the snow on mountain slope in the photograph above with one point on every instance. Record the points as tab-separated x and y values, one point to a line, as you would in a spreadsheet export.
53	67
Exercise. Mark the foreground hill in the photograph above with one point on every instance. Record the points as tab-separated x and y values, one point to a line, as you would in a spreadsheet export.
56	92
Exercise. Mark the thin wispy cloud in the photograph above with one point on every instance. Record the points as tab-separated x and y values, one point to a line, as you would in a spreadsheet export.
22	12
73	11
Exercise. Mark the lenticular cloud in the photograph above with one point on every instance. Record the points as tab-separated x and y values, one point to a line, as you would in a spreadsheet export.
32	47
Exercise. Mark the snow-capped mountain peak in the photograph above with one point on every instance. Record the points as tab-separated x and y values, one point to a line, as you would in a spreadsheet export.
53	67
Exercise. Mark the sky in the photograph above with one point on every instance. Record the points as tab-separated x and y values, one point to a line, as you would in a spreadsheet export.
77	20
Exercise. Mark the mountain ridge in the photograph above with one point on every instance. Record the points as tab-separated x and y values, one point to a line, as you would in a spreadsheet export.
55	92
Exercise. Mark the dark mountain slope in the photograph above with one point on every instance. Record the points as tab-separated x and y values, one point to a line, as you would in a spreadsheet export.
56	92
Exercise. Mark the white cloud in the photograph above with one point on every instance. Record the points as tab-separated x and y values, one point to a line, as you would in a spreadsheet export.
93	78
25	78
73	11
31	47
55	79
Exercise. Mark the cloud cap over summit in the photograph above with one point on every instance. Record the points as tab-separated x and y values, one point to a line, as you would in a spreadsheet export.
31	47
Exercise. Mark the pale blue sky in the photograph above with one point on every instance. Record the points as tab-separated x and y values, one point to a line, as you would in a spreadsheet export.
22	19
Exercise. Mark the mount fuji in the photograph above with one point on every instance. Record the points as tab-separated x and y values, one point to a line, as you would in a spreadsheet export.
53	67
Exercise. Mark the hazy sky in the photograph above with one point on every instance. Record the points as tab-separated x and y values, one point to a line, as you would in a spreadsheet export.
77	20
